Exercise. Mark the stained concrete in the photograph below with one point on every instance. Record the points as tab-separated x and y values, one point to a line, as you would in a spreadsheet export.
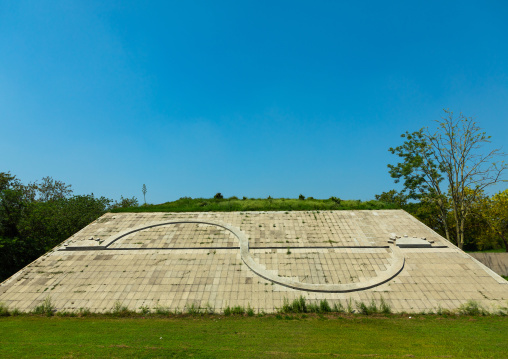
256	259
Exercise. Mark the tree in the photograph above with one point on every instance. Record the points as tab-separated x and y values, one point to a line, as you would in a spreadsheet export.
454	154
36	217
421	174
458	146
495	211
50	189
144	192
392	197
125	203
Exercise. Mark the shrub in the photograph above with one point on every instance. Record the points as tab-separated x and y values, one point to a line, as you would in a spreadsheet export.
324	307
238	310
45	308
4	311
301	197
337	200
299	305
120	310
367	309
162	310
144	309
218	195
84	312
286	307
250	311
362	308
349	306
338	308
384	307
472	307
227	311
312	308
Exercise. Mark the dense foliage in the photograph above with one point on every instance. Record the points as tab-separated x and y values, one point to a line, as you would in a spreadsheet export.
219	204
36	217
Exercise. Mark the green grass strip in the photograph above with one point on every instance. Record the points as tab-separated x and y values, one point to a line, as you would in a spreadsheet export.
233	204
315	336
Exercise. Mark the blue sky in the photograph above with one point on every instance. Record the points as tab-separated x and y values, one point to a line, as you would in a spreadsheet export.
247	98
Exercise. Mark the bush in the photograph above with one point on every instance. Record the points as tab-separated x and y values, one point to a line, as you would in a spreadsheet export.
125	203
238	310
324	307
472	307
227	311
120	310
144	310
367	309
45	308
218	195
84	312
297	306
301	197
4	311
384	307
162	310
336	200
338	308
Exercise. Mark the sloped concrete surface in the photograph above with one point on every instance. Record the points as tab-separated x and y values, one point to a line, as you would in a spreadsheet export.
174	260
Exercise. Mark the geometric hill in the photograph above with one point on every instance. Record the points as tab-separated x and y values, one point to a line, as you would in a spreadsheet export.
256	259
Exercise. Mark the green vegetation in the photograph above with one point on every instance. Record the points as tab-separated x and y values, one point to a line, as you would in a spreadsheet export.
36	217
233	204
255	337
45	308
445	174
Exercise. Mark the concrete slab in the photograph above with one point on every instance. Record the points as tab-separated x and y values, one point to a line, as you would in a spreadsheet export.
174	260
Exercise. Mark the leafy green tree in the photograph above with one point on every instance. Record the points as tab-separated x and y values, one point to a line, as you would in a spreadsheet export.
495	211
36	217
449	167
421	175
458	145
392	197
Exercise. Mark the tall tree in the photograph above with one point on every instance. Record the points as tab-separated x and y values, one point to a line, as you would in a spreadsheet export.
449	168
421	174
458	146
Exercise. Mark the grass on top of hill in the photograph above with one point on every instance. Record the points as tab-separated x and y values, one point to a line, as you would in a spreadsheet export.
234	204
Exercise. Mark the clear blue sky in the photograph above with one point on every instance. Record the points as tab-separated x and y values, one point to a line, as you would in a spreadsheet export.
247	98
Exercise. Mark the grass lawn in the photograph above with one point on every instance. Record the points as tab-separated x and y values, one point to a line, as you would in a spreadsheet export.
253	337
187	204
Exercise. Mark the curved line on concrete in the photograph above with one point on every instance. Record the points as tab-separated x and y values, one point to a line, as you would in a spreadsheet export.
390	273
